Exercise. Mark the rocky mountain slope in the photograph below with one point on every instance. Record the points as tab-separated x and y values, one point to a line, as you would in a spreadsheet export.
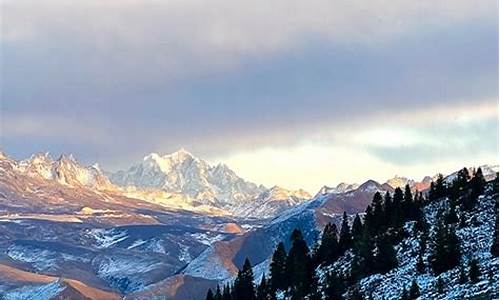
169	226
181	172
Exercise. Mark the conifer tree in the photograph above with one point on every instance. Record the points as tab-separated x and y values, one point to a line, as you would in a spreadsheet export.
218	293
278	269
397	202
345	238
356	269
461	221
446	249
463	178
364	260
422	241
459	185
414	291
226	293
420	266
408	204
385	258
334	287
421	222
328	250
368	220
438	188
315	292
451	216
243	285
440	285
474	271
388	206
210	295
263	289
477	184
299	266
357	228
378	221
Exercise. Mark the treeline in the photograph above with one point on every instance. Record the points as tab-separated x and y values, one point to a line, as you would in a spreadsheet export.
370	243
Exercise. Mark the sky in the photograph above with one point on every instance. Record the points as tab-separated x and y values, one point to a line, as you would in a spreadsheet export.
295	93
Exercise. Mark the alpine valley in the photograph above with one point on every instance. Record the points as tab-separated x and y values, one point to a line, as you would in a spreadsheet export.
174	226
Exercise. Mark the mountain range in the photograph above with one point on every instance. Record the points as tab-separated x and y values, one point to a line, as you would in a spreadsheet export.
169	226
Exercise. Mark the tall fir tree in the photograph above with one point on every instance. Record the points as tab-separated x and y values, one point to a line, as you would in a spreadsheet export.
334	287
328	249
414	291
279	278
315	292
420	266
439	285
451	215
210	295
459	185
357	228
243	285
379	220
477	184
226	292
218	293
388	206
408	203
385	259
363	263
463	178
345	238
474	271
299	266
446	249
263	290
438	188
397	213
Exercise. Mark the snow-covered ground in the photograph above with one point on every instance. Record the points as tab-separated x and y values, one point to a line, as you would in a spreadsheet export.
475	239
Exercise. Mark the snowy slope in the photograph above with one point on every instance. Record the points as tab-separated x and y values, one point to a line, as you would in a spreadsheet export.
475	238
181	172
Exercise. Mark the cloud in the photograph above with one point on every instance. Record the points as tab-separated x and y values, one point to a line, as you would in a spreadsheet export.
226	77
444	142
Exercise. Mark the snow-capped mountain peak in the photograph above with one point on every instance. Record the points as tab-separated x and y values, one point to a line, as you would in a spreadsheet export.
340	188
400	182
65	170
280	193
182	172
371	186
